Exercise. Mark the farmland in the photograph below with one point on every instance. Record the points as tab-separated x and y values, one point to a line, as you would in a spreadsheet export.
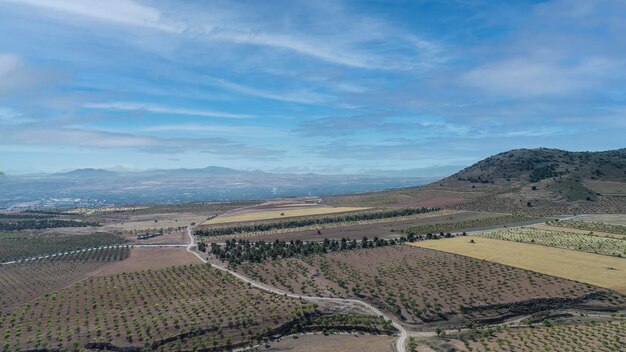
24	281
558	239
417	285
591	226
452	226
159	308
591	336
16	245
285	212
322	222
599	270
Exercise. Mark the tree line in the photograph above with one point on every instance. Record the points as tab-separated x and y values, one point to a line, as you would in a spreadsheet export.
236	252
294	223
36	224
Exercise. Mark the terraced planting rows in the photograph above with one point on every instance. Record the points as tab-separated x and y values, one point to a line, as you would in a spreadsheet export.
452	226
418	285
17	245
605	205
21	283
590	226
33	278
285	212
155	308
574	241
605	336
105	254
319	222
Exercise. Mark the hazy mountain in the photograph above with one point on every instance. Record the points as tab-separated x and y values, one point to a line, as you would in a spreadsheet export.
87	173
95	187
436	171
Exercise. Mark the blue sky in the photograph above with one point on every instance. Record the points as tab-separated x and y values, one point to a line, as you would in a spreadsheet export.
305	86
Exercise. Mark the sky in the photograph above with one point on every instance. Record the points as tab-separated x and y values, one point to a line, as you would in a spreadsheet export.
332	87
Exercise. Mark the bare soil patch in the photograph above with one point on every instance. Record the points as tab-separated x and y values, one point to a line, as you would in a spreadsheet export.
343	342
150	258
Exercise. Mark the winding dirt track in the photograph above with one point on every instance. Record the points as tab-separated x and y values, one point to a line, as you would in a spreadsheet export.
400	342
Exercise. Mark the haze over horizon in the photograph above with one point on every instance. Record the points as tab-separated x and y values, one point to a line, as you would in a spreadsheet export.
331	87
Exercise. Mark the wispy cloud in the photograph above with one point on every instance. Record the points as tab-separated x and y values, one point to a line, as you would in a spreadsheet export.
124	12
539	76
9	116
159	109
94	138
302	96
219	129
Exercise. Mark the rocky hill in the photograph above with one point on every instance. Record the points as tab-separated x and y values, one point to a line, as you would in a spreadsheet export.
560	174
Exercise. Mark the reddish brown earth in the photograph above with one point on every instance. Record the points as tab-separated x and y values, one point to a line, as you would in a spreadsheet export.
132	309
21	283
151	258
339	343
416	284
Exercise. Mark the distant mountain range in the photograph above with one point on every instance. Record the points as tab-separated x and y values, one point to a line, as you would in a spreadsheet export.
97	187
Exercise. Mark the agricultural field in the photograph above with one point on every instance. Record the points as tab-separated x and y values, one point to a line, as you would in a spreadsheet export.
454	225
415	284
591	336
142	258
519	204
558	239
578	231
158	308
591	226
18	245
285	212
22	282
599	270
611	219
334	224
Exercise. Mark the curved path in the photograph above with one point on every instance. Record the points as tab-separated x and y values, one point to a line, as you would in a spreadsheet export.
400	342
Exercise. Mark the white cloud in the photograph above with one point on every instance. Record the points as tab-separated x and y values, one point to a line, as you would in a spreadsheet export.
535	77
318	49
124	12
222	129
301	97
9	116
8	63
95	138
158	109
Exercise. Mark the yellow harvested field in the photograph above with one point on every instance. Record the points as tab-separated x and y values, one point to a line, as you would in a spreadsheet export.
280	214
594	269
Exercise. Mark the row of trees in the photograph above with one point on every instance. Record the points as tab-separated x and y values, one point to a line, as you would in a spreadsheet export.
42	224
240	251
294	223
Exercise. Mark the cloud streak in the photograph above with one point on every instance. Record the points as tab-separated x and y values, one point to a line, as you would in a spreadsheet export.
123	12
159	109
92	138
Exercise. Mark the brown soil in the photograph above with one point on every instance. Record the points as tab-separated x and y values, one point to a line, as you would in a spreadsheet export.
150	258
321	343
21	283
416	284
